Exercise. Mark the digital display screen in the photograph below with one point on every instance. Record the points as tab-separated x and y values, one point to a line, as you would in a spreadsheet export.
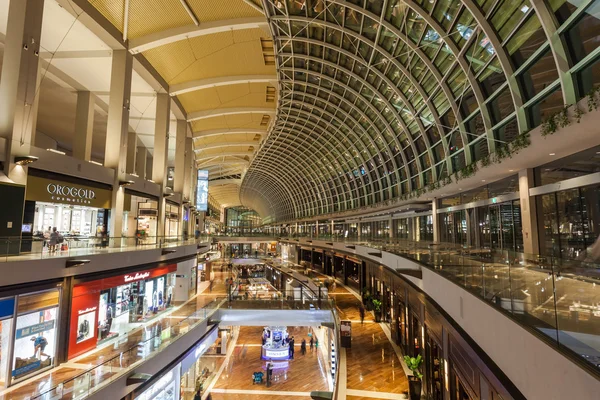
202	191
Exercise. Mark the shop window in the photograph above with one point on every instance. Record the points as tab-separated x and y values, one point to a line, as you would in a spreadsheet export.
34	343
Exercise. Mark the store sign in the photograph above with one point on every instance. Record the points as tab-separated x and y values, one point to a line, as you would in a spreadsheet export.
35	329
54	191
276	353
202	191
138	276
87	310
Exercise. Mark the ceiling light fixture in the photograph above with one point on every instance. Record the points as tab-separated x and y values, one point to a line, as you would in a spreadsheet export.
96	163
62	153
552	154
24	160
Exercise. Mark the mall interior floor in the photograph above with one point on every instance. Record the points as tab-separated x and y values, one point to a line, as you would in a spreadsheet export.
78	365
304	373
372	364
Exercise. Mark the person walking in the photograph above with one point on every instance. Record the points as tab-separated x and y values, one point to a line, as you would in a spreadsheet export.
316	344
362	314
312	342
292	343
53	240
303	347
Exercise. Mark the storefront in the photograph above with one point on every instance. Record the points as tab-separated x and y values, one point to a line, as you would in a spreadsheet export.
29	341
187	280
198	370
75	207
140	217
171	221
105	308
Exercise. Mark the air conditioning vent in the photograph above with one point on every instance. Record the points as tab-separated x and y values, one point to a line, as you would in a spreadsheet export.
270	97
265	120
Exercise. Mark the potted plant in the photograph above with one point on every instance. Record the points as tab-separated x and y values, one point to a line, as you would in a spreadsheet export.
414	381
377	309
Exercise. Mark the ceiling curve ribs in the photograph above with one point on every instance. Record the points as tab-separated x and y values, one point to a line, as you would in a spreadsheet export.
379	98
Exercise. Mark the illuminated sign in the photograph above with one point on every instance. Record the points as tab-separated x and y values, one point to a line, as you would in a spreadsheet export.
136	277
202	191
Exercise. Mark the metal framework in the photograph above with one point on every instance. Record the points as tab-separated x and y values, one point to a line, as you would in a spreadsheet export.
378	98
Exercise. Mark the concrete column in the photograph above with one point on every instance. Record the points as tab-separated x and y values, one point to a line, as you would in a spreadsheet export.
528	213
436	225
417	223
140	162
161	152
18	82
469	222
391	227
180	156
131	152
116	134
358	230
84	126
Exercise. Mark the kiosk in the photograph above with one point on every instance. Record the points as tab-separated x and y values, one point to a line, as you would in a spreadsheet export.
275	346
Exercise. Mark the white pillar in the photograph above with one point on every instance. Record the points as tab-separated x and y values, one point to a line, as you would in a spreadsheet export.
116	134
131	152
161	151
189	169
436	226
84	126
180	156
391	227
18	82
528	213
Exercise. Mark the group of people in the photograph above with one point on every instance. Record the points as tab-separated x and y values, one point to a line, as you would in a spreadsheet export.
314	343
54	239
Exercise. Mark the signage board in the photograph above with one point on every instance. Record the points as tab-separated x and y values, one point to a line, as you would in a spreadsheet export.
55	191
202	191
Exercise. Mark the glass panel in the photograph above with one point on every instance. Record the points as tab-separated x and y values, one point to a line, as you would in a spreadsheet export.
582	38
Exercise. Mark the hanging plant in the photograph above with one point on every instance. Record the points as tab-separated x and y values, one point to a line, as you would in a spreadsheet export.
592	102
486	161
502	152
549	126
578	112
521	141
563	117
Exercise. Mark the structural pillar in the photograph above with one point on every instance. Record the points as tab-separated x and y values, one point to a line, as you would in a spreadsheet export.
358	230
391	227
180	156
528	213
131	152
161	150
18	83
84	126
149	161
140	162
115	155
434	217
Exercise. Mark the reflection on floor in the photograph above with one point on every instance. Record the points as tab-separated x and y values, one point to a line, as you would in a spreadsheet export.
302	375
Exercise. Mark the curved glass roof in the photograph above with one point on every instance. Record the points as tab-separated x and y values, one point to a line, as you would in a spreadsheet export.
379	98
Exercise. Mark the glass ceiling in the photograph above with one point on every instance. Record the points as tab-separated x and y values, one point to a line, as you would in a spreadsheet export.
379	98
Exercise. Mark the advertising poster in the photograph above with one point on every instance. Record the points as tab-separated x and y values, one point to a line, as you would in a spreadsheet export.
85	326
34	342
202	191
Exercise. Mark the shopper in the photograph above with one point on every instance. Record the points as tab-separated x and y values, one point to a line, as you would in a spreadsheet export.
316	344
198	395
312	343
303	347
54	236
292	342
362	314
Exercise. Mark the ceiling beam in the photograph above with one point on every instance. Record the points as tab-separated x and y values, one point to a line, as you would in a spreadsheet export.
167	36
226	144
191	86
237	131
204	114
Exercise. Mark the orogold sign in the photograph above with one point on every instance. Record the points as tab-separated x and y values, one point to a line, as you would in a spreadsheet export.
55	191
70	191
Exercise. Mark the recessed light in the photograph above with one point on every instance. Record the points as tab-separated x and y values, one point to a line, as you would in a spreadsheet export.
552	154
483	180
510	170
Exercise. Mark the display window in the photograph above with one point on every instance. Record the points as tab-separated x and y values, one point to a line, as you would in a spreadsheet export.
106	308
171	221
35	330
140	218
198	370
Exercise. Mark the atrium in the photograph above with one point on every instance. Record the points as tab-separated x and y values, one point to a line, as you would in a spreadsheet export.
279	199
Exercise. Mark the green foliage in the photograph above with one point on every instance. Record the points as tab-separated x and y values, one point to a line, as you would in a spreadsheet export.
578	113
376	305
413	364
549	126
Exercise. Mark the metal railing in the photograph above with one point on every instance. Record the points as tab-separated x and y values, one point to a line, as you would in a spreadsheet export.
21	249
